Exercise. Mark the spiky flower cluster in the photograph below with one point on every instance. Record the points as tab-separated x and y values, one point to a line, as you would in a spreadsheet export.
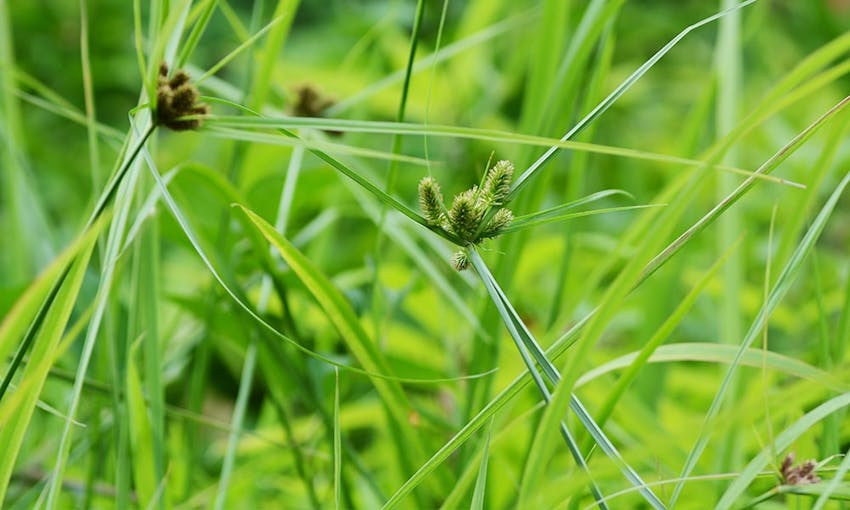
176	97
802	474
468	217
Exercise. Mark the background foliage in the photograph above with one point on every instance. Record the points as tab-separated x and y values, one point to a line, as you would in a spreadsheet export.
188	401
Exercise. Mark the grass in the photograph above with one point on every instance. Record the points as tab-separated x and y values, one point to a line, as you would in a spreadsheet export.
255	312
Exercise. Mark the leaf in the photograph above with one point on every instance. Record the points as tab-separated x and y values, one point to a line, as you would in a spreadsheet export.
20	405
340	313
783	441
481	481
783	284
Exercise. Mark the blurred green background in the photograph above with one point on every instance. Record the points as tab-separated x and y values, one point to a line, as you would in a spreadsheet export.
553	274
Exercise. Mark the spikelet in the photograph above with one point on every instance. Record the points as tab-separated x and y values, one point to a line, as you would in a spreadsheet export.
500	221
497	183
460	260
431	202
465	215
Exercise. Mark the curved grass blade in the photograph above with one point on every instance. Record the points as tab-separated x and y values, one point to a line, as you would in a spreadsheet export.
524	340
392	128
783	441
534	220
611	98
22	403
719	353
340	313
783	284
222	185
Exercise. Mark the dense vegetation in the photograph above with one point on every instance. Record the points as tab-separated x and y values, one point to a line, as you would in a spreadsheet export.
424	254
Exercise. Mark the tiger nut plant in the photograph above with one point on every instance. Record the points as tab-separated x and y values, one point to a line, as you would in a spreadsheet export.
424	254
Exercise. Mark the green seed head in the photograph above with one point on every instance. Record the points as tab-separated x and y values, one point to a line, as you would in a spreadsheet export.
500	221
431	202
460	260
465	215
497	183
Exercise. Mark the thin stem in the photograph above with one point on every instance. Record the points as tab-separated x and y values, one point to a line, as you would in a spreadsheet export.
106	196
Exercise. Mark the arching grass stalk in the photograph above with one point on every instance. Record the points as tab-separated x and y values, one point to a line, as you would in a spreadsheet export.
474	216
505	310
526	343
176	99
100	207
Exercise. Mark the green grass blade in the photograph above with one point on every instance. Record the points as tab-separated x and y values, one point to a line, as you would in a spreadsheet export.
481	482
783	441
188	47
722	354
437	130
833	485
525	343
285	13
239	49
24	222
768	166
537	219
236	422
141	436
783	283
728	68
88	95
621	89
23	402
337	446
22	314
346	322
312	143
526	340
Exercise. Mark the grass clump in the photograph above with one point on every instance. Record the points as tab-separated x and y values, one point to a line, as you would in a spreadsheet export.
254	316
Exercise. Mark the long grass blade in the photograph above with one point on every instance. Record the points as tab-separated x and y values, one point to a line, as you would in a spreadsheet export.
606	103
783	441
479	493
783	284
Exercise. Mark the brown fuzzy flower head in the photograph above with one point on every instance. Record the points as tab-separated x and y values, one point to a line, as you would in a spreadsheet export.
309	102
176	97
802	474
